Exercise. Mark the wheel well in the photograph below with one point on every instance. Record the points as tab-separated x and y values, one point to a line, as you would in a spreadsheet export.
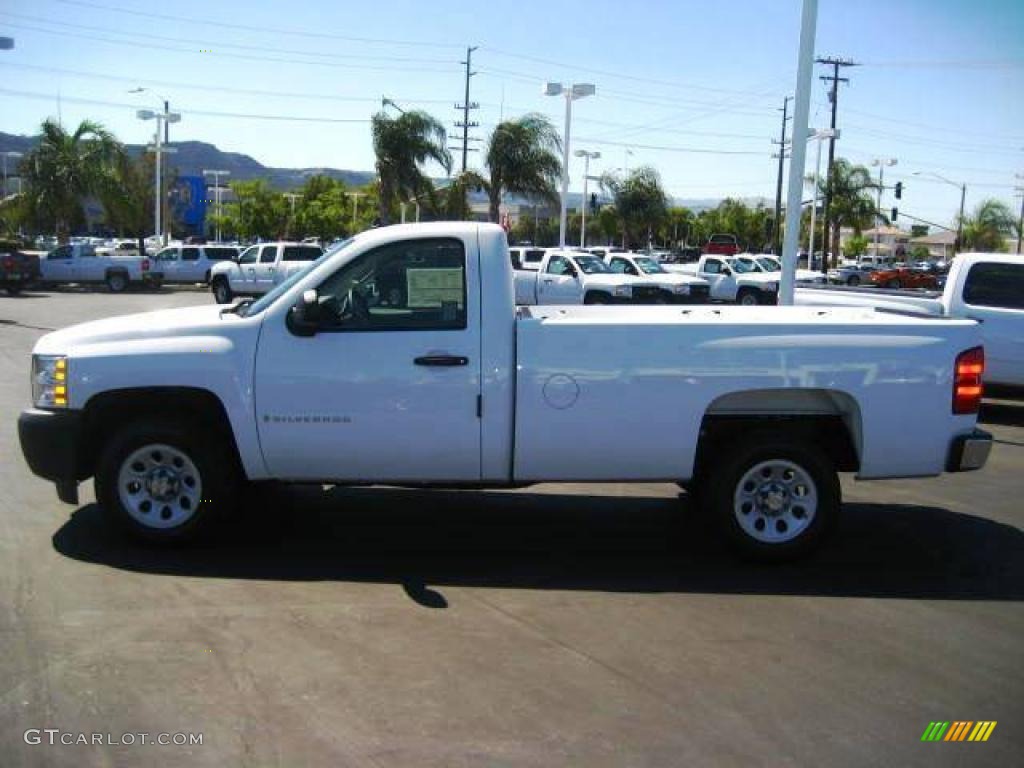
830	433
116	271
107	411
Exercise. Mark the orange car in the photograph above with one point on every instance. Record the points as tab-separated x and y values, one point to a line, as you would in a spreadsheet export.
903	277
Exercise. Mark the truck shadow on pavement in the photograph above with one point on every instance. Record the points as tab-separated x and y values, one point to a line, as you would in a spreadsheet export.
521	539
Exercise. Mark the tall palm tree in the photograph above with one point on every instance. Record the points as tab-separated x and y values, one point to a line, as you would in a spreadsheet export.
522	159
853	198
640	202
65	168
986	228
402	144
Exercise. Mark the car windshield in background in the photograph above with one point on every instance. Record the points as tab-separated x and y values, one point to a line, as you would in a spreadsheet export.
769	265
301	253
591	265
267	299
533	256
741	266
649	266
220	254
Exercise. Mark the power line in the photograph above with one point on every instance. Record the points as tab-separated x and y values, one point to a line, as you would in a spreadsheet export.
275	31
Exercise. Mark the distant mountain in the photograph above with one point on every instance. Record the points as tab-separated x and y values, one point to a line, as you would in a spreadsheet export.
193	156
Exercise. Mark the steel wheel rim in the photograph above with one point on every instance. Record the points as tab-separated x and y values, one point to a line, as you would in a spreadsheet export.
117	282
220	292
748	300
159	486
775	501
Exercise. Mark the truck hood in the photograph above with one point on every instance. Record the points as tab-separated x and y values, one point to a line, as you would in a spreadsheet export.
615	279
162	324
756	278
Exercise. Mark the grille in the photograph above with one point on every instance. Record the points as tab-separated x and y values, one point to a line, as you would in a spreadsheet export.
644	294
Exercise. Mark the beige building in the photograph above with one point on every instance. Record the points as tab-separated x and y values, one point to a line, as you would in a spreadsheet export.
893	244
941	245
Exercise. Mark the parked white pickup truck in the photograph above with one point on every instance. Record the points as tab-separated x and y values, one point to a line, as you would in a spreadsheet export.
192	263
732	281
579	277
986	287
676	287
767	264
326	380
259	268
80	263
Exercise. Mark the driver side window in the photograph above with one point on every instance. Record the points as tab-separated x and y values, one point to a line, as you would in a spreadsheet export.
249	257
404	286
559	265
713	266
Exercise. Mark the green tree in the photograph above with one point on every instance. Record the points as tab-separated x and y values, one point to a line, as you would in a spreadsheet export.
608	223
522	158
856	246
258	211
987	227
402	144
640	202
853	198
66	168
323	210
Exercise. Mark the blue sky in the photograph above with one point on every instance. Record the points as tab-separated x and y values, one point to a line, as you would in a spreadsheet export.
940	88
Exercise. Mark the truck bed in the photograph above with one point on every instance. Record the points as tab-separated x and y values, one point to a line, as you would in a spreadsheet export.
887	373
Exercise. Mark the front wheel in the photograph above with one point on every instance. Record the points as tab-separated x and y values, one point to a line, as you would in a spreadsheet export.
117	282
222	291
14	289
775	498
159	482
894	284
748	298
854	281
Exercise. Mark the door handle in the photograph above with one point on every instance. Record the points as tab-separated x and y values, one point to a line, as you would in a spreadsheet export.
446	361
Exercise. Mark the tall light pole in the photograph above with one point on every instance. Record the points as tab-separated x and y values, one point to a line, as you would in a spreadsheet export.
881	163
13	156
355	206
819	136
588	156
571	93
963	199
1020	221
167	108
158	149
216	193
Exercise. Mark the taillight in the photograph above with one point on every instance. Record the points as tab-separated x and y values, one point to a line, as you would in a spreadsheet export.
145	265
967	373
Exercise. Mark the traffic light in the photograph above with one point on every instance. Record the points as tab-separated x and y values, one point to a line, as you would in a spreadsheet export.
898	192
593	202
895	214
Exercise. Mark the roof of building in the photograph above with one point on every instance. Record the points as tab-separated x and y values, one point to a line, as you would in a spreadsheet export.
883	231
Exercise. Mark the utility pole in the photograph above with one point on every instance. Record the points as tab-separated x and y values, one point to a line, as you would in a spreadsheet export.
833	97
1020	221
465	124
776	230
355	206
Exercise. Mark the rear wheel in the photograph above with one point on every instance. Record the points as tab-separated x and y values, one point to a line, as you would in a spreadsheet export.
222	293
13	289
894	283
775	498
160	482
117	282
748	297
854	280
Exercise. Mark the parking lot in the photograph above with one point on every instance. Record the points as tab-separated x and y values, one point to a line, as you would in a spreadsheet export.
553	625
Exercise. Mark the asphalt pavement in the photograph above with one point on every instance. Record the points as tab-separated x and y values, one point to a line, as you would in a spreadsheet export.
582	625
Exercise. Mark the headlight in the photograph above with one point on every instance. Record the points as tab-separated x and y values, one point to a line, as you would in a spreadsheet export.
50	381
623	290
684	289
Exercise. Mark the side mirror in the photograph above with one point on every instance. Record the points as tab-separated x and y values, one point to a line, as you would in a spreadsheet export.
726	271
304	316
573	273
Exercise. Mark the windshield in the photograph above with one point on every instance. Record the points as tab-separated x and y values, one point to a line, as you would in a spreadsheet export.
648	265
769	265
591	265
265	301
741	266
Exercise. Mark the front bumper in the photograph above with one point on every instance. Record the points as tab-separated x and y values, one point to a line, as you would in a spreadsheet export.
969	452
50	442
698	295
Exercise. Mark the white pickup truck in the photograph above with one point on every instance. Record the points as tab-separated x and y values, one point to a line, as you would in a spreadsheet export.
579	277
986	287
80	263
767	264
259	268
676	287
326	380
732	280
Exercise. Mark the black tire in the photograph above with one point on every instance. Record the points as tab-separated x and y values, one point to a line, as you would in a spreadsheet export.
222	293
117	282
14	289
722	483
596	297
218	477
748	297
894	284
854	281
206	278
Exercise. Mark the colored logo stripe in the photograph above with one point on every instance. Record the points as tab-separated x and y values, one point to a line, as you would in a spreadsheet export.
959	730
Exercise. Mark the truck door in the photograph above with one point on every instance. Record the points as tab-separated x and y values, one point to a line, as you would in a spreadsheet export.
191	269
58	265
263	271
386	389
723	286
88	267
169	264
559	283
243	279
993	293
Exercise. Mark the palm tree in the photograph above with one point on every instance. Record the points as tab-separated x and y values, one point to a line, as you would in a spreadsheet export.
402	144
65	168
639	201
522	159
853	199
986	228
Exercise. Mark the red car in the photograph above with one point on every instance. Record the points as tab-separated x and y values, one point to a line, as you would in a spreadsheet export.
903	277
722	245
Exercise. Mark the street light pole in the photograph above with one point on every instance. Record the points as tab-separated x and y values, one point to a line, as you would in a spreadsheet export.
355	206
571	93
217	193
159	150
1020	221
962	186
819	136
881	162
11	155
587	156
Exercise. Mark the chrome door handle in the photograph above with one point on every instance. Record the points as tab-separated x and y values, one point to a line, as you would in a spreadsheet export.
548	280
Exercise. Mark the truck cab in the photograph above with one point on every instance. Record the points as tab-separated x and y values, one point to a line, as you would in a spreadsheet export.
733	281
676	287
